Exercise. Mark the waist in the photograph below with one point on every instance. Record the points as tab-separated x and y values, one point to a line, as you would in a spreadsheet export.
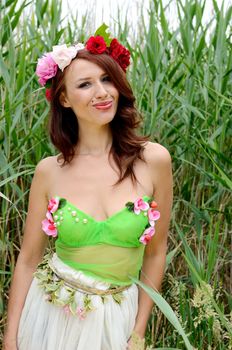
73	290
108	263
78	281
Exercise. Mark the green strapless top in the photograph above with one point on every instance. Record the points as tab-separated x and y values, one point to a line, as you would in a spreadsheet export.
109	250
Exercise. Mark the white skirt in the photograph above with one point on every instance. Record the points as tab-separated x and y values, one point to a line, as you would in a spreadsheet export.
45	326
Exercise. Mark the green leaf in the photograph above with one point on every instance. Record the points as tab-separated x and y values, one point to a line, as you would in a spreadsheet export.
166	310
102	32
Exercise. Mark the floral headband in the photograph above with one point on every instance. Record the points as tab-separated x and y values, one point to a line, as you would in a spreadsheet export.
61	56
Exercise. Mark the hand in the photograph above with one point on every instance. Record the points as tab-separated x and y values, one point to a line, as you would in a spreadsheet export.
136	342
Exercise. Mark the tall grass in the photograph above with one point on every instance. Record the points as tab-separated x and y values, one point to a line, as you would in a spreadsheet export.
182	79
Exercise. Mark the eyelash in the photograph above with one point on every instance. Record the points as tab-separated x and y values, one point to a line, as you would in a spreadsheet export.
106	78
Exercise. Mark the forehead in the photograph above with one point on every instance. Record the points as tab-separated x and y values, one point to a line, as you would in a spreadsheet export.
81	68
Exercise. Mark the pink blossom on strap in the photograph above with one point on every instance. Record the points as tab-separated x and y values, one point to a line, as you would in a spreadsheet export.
48	225
53	204
147	235
153	215
139	205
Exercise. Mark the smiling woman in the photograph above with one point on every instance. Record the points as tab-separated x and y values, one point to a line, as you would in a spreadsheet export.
105	219
88	94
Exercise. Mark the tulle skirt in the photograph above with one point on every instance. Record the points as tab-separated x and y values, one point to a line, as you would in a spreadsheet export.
107	325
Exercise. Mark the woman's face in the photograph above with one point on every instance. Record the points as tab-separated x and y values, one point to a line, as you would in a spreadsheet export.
90	93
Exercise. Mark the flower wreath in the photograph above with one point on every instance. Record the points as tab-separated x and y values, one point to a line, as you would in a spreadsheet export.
61	56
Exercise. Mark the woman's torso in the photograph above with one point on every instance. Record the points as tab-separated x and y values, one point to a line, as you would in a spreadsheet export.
88	181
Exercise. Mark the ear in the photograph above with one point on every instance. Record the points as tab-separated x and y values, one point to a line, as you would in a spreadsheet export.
64	100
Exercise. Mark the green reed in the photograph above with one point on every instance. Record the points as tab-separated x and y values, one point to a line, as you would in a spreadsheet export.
182	79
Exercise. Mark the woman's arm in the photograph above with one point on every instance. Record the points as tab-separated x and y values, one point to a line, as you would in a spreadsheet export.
155	252
31	253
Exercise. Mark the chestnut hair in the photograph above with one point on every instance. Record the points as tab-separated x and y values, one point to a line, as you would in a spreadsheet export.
127	146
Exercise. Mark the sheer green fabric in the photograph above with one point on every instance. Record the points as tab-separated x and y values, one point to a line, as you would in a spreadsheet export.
108	250
109	263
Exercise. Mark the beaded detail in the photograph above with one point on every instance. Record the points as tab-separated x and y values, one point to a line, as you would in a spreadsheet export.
53	221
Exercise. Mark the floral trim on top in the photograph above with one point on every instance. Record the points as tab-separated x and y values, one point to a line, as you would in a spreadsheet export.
48	224
148	208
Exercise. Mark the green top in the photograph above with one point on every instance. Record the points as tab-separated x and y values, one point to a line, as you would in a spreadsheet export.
108	250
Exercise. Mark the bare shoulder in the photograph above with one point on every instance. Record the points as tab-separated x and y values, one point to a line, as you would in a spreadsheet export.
45	165
43	173
159	164
156	155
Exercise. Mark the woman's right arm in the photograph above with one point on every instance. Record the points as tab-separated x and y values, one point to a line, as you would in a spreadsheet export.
31	253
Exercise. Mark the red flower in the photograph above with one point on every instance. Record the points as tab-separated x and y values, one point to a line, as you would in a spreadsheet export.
153	204
48	95
96	44
120	54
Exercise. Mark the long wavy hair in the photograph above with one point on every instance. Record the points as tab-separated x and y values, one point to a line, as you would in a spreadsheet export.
127	145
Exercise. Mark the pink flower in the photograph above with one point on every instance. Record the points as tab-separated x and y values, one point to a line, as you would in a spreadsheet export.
66	309
139	205
47	297
147	235
81	313
153	215
48	225
63	55
53	204
46	69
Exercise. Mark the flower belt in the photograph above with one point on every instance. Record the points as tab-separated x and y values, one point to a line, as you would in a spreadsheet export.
75	297
87	289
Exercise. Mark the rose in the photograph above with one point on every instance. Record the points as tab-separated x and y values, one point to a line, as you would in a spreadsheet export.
63	55
46	69
96	44
120	54
48	95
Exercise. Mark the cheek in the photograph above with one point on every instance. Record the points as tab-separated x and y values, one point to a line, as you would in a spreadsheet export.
116	94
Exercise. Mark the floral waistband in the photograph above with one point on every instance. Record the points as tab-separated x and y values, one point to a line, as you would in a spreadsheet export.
74	296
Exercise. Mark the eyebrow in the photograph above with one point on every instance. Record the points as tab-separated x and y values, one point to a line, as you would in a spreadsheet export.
88	78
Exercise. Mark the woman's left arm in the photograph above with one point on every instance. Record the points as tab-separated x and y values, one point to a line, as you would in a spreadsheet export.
155	252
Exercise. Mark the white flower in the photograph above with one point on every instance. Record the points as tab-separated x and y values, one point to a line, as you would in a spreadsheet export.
63	294
63	55
79	46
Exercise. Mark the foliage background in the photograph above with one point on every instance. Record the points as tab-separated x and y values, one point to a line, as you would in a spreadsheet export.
182	79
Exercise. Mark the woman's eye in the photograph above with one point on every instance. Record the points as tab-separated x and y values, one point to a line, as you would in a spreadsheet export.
86	84
106	78
83	85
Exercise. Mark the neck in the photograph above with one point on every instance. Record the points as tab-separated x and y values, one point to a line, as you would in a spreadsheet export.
94	142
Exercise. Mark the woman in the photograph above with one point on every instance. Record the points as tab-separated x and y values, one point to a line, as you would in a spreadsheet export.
96	198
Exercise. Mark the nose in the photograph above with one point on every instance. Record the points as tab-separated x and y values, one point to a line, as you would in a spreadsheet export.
100	90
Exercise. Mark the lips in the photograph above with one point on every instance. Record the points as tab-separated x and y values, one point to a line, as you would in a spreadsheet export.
103	105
